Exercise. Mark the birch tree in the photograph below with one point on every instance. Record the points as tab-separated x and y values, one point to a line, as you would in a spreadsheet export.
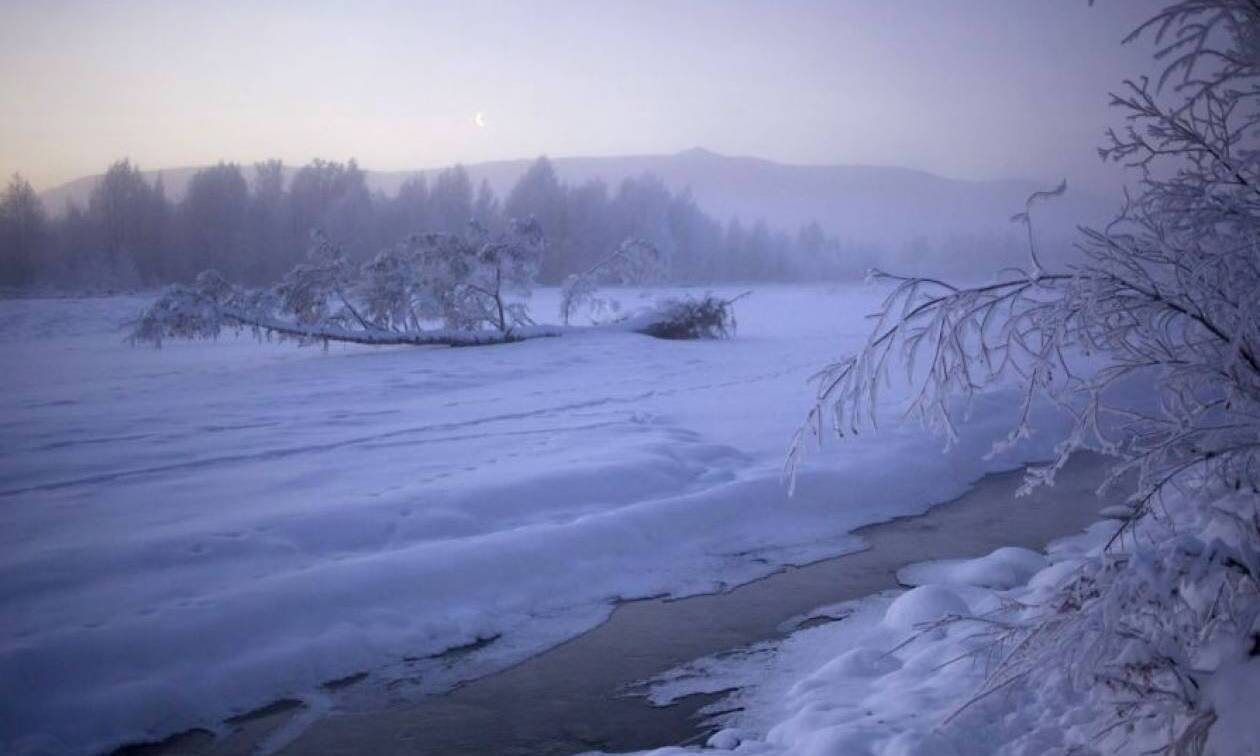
1168	298
434	288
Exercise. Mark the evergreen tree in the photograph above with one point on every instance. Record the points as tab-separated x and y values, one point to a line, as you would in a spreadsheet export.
23	233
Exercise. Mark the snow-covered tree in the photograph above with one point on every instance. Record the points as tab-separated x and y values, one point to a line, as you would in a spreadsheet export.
474	274
435	288
1167	297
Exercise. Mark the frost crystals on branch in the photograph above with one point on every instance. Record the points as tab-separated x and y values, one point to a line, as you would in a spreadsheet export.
635	262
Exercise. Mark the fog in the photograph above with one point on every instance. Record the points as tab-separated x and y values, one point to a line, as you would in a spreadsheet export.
380	375
838	134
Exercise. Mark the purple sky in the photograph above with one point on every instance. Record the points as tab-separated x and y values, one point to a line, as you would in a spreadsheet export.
964	88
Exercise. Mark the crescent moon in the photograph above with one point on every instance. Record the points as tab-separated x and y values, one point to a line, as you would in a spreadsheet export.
480	120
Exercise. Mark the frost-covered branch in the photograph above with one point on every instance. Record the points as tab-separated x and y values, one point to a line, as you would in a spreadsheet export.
1164	622
1167	292
635	262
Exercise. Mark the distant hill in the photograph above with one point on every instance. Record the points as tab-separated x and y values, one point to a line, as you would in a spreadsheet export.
871	204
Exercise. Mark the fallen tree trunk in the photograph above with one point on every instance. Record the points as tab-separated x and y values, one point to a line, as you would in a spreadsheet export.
383	337
204	309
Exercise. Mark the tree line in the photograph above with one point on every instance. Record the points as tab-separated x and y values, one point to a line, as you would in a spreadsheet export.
253	224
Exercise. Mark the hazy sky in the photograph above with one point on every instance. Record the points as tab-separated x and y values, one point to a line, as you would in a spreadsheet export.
965	88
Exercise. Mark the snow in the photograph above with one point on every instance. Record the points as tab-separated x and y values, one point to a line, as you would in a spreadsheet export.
885	680
891	679
192	532
1233	693
1006	567
1117	512
923	605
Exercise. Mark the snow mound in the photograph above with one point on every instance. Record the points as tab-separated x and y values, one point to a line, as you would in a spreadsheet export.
861	686
1117	512
924	604
1234	691
726	740
861	662
1006	567
1053	576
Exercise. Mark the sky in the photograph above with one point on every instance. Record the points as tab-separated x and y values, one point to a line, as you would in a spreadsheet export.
973	89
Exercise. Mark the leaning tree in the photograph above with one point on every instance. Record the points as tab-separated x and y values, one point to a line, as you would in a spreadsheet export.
433	288
1165	297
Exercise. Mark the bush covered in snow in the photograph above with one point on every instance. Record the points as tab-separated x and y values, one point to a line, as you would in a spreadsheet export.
1166	621
707	317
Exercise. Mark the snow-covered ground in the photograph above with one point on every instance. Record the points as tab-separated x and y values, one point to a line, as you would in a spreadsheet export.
907	673
892	679
192	532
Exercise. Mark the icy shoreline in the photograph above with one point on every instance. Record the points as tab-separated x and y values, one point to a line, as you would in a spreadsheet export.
952	665
588	690
591	684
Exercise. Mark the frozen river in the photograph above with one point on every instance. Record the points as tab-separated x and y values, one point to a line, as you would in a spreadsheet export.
189	533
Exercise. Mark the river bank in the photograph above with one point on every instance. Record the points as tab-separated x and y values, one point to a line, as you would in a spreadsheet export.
574	697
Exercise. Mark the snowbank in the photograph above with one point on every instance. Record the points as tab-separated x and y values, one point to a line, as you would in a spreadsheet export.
902	673
1007	567
882	681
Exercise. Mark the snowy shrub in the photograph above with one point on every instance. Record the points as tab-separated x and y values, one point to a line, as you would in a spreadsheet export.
708	317
1167	296
634	262
434	288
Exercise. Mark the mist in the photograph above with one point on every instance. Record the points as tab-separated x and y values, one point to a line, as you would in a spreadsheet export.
652	377
903	133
